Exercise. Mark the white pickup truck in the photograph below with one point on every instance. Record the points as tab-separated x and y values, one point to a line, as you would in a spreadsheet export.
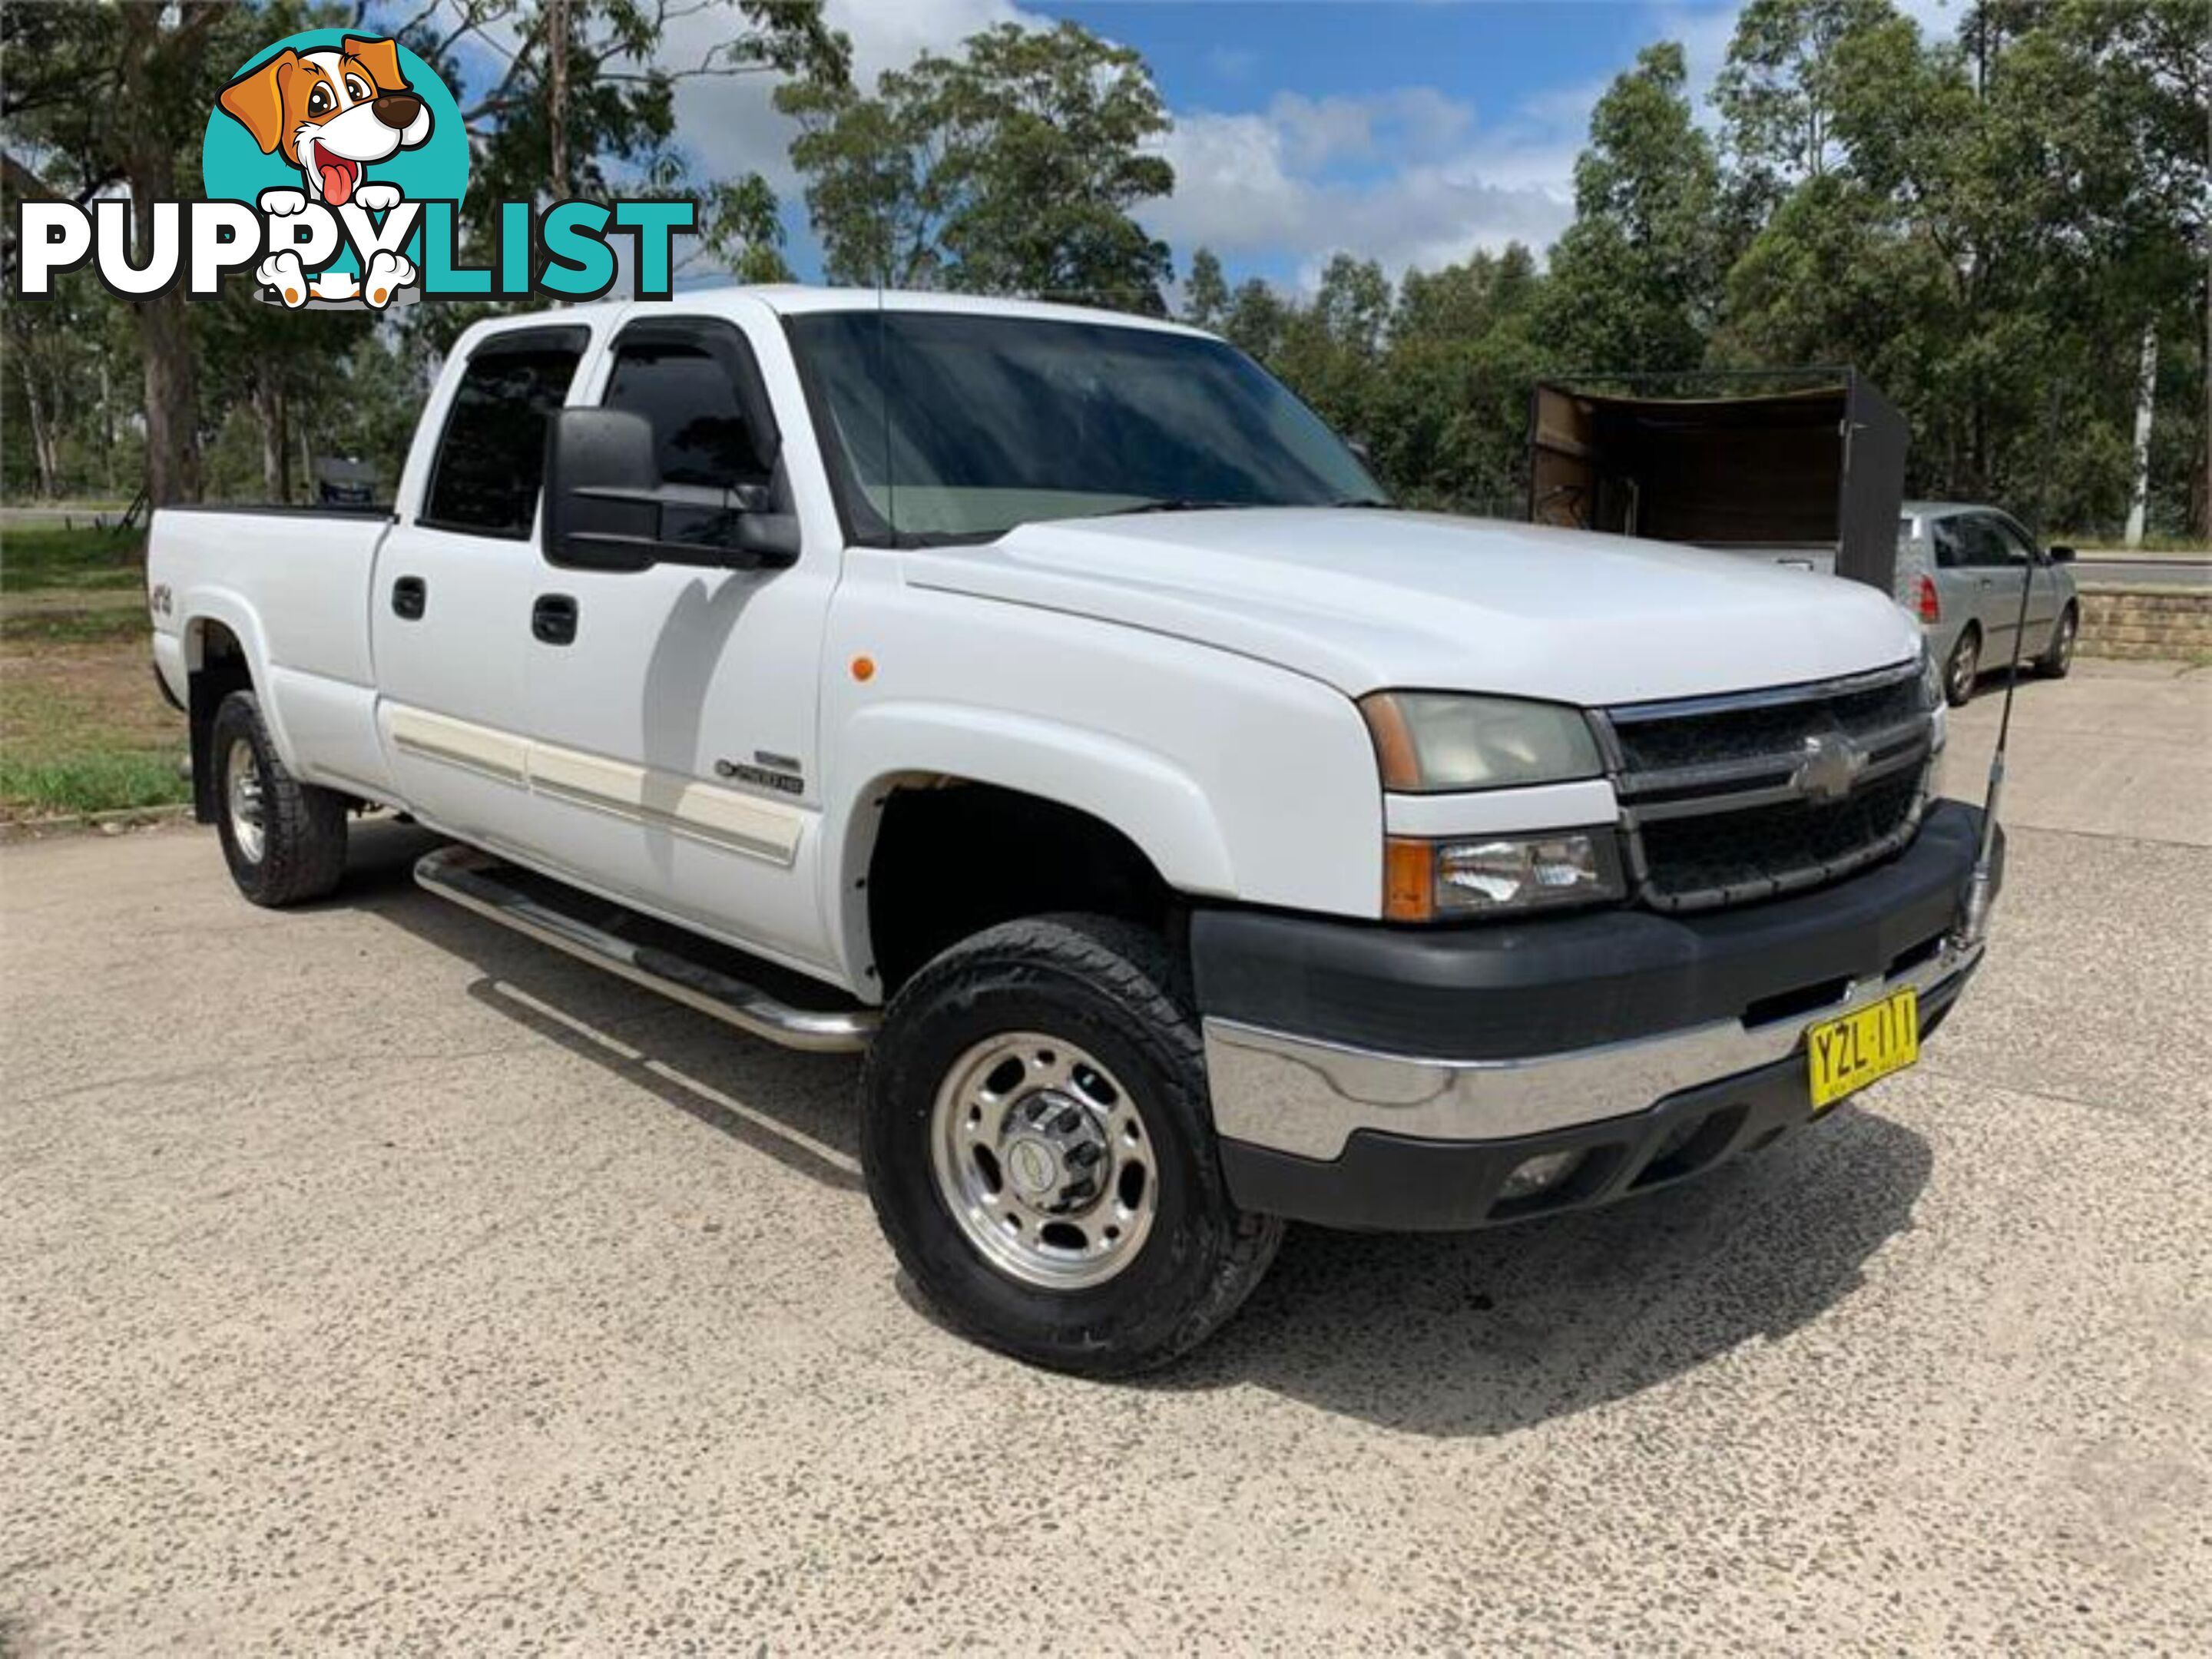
1045	700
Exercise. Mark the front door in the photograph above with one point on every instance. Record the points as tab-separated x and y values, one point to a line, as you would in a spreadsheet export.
449	616
672	710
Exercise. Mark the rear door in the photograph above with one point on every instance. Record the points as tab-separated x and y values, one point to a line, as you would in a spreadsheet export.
450	603
672	710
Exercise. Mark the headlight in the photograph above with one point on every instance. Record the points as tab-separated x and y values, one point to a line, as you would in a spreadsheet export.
1430	742
1493	875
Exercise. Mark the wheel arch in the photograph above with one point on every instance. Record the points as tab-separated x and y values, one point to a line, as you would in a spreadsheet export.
988	792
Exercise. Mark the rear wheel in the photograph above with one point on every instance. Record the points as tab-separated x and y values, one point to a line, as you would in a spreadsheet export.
1963	668
285	841
1040	1151
2057	659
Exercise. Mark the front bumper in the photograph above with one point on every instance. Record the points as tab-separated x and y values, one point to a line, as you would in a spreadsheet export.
1383	1078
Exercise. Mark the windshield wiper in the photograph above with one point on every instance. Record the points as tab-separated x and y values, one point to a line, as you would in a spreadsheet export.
1366	501
1169	504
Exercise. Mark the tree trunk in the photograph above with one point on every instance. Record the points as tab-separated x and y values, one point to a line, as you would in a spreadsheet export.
275	455
172	438
42	441
165	336
2145	398
2200	496
556	113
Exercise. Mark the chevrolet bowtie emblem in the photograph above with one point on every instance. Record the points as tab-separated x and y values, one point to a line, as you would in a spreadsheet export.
1831	764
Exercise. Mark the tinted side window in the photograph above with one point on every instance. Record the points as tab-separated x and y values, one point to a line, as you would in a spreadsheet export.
698	426
2013	542
1978	541
1949	556
491	458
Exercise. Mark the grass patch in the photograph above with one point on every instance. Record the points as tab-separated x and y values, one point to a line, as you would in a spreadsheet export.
74	616
81	727
34	556
97	782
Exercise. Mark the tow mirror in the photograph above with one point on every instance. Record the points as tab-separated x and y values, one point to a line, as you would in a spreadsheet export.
606	508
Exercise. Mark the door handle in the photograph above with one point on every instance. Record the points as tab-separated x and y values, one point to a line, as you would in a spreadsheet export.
410	597
553	619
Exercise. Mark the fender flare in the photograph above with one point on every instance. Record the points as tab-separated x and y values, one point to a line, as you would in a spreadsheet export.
1156	805
203	605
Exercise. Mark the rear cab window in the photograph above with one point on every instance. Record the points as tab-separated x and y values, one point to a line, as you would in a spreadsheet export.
490	458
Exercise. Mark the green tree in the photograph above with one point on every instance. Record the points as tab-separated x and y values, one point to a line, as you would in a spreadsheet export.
102	97
1013	167
1255	318
1779	89
1205	292
1636	280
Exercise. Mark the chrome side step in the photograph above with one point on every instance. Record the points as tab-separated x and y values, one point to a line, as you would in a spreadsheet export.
470	879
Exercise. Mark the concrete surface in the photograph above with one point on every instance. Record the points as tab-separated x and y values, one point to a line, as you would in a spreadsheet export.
372	1280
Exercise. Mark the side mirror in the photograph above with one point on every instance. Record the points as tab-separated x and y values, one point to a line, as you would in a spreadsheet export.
602	491
607	509
2060	555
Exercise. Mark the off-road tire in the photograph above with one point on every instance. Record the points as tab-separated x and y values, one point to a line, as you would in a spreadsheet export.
1958	682
1115	990
2057	661
303	828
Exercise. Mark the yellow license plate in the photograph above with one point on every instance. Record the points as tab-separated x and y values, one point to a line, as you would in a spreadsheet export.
1847	1053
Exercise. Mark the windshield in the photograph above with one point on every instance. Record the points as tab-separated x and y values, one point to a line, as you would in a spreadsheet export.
949	427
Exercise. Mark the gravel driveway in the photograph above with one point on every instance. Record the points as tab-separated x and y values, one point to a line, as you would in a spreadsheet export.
370	1278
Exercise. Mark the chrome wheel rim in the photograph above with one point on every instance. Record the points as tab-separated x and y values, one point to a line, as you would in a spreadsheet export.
1044	1161
2068	627
242	792
1965	660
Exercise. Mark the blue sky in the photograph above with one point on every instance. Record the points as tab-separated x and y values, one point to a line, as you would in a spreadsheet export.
1411	132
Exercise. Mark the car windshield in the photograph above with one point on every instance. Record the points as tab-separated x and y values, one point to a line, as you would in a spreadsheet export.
950	426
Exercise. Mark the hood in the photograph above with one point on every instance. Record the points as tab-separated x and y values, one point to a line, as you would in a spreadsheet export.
1366	599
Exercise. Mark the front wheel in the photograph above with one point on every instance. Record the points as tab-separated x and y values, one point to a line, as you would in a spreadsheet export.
1039	1153
1963	668
2057	661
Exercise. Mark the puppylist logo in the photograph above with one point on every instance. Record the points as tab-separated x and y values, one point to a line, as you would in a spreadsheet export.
334	167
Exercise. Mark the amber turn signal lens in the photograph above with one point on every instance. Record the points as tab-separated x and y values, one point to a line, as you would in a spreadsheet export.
1400	763
1409	879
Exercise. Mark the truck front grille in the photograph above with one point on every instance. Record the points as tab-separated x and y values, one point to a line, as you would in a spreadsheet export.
1725	801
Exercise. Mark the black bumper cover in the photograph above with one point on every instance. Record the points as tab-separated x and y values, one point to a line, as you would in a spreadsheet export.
1398	1183
1505	992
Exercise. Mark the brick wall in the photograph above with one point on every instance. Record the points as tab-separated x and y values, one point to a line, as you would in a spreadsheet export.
2147	622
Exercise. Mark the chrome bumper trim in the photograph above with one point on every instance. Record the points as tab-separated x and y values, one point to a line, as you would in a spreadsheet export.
1294	1095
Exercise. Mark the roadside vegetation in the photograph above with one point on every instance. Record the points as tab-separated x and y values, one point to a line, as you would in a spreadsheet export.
81	727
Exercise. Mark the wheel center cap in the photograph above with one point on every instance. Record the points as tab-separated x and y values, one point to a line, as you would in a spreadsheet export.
1033	1167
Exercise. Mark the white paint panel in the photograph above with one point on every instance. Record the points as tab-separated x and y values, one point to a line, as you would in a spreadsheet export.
332	727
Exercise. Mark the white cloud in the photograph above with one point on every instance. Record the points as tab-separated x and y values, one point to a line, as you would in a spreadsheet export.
1405	177
729	126
1408	176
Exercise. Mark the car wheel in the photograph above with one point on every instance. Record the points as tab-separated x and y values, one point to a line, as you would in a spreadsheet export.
1963	668
2057	659
1040	1151
285	841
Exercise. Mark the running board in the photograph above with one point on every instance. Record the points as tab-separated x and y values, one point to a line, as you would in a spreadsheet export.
471	879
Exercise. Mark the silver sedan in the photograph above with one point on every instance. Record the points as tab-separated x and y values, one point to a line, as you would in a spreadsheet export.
1962	569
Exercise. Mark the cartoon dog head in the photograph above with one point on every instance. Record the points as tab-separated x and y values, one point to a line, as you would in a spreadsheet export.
331	113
